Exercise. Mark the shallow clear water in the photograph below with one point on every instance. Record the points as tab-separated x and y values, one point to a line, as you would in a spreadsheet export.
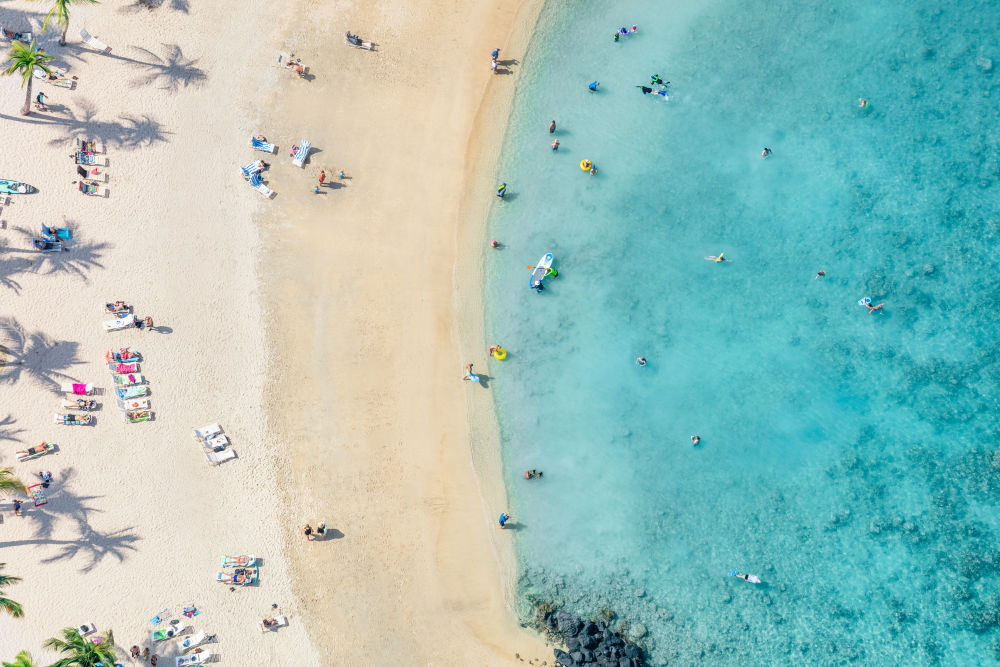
849	459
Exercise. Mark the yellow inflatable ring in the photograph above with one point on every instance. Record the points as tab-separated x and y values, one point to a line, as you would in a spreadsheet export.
586	165
500	353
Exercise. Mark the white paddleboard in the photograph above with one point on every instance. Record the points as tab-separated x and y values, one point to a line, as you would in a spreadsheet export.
540	269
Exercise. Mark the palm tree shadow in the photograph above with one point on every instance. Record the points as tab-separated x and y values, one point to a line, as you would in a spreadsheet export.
36	355
8	433
78	258
172	72
91	543
127	132
12	266
183	6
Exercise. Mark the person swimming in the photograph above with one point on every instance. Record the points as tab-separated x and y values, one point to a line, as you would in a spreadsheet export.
656	80
502	190
593	86
495	244
765	152
752	578
695	439
646	90
640	361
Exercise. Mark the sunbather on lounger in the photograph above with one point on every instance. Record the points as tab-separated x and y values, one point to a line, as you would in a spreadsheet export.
299	69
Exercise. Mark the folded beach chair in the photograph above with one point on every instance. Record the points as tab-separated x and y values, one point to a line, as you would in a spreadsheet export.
94	42
46	244
120	323
207	432
37	494
265	146
12	35
259	186
185	644
76	388
168	632
254	167
73	420
61	233
118	367
279	622
215	458
193	658
35	452
79	403
132	404
138	416
237	561
129	379
135	391
300	156
91	159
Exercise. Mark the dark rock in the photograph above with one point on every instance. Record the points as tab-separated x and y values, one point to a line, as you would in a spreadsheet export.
572	643
577	656
567	624
633	651
588	656
563	658
590	641
626	662
590	628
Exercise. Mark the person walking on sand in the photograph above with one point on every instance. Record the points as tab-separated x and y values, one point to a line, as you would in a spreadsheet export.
145	653
17	508
502	190
148	322
134	651
308	530
504	518
494	54
552	127
322	178
153	658
493	66
469	375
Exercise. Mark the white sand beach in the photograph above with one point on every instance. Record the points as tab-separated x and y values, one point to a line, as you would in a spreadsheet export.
320	331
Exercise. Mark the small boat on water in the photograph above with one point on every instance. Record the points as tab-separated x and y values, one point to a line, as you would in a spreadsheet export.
16	187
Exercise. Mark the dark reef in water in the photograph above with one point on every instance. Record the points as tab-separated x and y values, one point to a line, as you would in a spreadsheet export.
587	642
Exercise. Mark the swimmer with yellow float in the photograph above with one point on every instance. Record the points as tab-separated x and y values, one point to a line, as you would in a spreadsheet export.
498	352
721	257
587	165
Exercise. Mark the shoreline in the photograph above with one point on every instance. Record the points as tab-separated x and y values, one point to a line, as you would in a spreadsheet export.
380	439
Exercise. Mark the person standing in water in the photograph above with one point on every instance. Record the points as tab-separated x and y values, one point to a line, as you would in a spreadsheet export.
552	127
555	145
502	190
765	152
504	518
593	86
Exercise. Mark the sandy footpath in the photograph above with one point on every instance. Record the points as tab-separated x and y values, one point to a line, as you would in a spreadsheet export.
364	295
136	520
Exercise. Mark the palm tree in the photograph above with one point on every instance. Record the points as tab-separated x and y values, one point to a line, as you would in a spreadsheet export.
22	659
25	59
10	483
60	10
8	605
80	651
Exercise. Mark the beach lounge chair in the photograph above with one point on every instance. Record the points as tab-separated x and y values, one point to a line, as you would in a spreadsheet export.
193	658
300	155
119	308
129	379
262	145
279	622
73	420
90	146
241	576
206	432
90	159
123	354
90	188
216	443
132	404
358	43
79	403
253	168
55	78
46	244
168	632
94	42
35	452
185	644
12	35
120	323
86	629
134	391
258	185
237	561
215	458
138	416
118	367
57	233
76	388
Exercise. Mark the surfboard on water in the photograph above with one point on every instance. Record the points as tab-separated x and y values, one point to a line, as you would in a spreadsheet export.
16	187
539	271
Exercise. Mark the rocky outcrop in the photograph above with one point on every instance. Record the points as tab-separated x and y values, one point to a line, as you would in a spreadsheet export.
590	643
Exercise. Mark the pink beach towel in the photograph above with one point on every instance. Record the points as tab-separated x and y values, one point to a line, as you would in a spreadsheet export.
79	389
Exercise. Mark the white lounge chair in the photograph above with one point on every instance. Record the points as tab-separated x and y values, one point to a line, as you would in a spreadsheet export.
121	323
169	632
86	629
61	80
217	443
253	168
193	658
132	404
74	403
185	644
94	42
206	432
300	155
215	458
265	146
279	622
76	388
259	186
12	35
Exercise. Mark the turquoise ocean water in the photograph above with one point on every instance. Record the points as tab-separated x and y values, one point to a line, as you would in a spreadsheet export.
849	459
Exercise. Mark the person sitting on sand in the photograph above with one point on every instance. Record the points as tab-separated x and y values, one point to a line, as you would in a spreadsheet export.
46	476
299	69
269	623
